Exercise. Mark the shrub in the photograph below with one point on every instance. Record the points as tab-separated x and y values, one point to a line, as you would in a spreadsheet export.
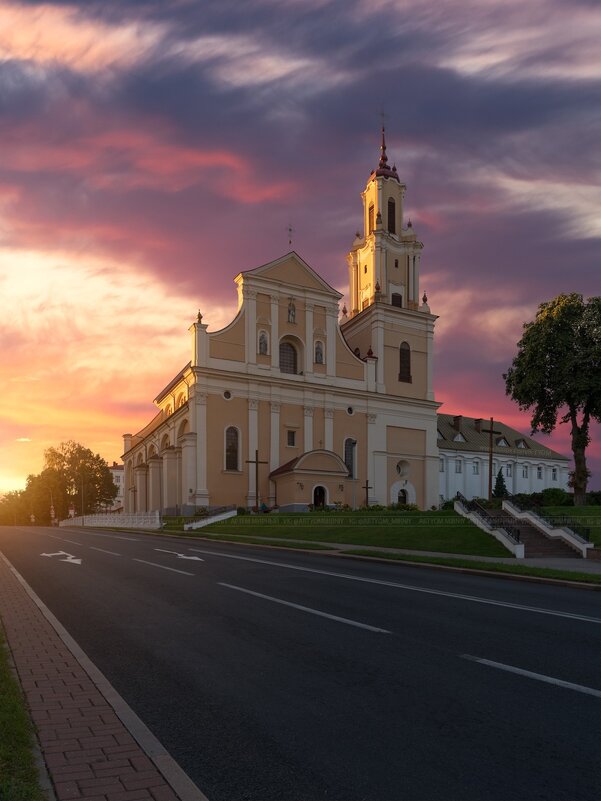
593	498
242	510
554	496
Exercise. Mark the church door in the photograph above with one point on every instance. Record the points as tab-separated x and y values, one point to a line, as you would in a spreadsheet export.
402	496
319	497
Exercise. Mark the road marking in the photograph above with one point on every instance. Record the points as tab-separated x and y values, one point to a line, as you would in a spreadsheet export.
180	555
71	559
54	537
538	676
164	567
112	536
306	609
112	553
411	587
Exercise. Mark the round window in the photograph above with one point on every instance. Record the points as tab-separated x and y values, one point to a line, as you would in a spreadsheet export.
227	394
350	410
402	468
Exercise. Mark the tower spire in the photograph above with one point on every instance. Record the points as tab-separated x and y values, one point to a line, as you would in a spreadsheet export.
383	157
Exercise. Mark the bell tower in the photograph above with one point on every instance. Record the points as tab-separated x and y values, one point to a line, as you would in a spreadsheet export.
384	260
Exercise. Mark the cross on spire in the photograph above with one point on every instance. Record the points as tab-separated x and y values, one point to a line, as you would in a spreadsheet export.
290	230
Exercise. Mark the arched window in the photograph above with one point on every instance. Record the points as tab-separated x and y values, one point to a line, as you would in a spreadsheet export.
263	344
231	448
391	216
370	219
288	358
318	352
350	449
405	362
397	299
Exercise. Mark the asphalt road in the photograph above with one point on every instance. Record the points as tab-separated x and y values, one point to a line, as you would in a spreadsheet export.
279	676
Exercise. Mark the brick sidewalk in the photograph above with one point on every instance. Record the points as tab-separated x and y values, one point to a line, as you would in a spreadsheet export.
88	751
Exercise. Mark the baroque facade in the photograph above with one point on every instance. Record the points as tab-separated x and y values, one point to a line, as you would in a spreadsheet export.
293	404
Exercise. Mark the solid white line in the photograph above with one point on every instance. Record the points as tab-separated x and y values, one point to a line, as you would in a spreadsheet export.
112	553
411	587
173	773
305	609
164	567
112	536
538	676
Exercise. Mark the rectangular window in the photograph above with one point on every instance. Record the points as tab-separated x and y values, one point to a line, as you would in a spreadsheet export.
442	466
458	467
554	474
508	471
291	439
525	471
539	472
117	479
476	468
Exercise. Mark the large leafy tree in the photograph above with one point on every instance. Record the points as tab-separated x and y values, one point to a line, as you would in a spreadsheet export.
81	478
557	374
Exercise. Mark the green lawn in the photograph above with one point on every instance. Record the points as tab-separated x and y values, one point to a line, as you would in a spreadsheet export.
446	532
588	516
18	775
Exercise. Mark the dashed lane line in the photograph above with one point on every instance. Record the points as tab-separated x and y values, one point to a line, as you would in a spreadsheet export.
410	587
164	567
568	685
308	609
102	550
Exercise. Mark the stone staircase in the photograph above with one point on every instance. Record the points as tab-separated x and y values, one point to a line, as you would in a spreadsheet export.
536	544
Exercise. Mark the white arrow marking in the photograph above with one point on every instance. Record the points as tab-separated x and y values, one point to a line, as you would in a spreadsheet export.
70	558
180	555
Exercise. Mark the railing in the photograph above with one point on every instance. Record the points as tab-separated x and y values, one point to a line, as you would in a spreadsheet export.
580	532
473	506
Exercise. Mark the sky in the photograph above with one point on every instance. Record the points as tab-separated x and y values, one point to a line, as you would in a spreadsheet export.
150	151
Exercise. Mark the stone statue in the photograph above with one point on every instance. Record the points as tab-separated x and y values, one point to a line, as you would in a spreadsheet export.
291	312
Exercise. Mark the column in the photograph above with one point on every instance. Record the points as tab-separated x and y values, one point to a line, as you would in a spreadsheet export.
410	276
331	325
199	401
188	485
329	429
308	444
170	457
250	309
274	446
309	344
430	362
371	462
416	262
154	483
140	485
275	331
253	444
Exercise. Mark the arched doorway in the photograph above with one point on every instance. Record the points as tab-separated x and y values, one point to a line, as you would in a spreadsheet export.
402	496
319	497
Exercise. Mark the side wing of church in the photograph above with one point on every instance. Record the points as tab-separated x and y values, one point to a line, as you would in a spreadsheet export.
293	405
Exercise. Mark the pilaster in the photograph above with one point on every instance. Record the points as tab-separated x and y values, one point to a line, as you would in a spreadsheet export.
253	445
188	482
275	331
329	429
309	346
308	444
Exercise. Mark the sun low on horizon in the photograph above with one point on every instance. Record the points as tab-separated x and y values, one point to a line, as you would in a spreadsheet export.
148	155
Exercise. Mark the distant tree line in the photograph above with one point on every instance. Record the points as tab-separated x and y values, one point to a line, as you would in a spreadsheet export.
73	477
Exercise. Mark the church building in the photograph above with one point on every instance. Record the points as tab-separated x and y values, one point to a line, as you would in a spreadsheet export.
296	402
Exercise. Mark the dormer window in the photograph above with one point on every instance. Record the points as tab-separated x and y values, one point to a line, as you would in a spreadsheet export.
459	437
502	442
521	443
438	434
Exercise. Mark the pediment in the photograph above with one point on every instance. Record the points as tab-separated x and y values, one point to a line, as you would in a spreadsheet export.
293	271
318	462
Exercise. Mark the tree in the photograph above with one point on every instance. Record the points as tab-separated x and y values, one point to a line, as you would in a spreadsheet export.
78	476
557	373
500	490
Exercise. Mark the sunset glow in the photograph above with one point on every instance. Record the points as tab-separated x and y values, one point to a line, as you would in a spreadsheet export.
144	148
